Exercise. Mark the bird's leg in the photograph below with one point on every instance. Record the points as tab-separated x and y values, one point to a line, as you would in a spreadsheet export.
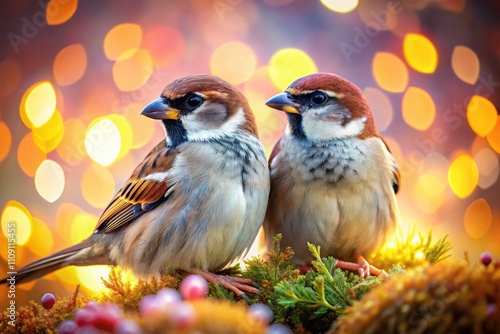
362	267
238	285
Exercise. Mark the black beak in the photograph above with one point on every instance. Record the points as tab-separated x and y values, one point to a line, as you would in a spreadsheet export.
158	109
284	102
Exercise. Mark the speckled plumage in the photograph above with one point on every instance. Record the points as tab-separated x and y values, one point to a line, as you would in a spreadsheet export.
196	201
312	190
333	179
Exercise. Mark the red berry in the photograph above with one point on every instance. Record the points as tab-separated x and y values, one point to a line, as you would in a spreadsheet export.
193	287
108	317
486	258
48	301
84	317
68	327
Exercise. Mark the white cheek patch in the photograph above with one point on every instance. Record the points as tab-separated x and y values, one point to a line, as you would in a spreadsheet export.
197	131
318	130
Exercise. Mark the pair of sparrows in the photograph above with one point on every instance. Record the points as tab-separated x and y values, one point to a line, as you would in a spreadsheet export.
198	199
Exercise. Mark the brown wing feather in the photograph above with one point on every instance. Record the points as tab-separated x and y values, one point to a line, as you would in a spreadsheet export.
397	174
139	195
276	150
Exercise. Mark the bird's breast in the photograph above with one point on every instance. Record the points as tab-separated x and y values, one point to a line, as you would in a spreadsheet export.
338	195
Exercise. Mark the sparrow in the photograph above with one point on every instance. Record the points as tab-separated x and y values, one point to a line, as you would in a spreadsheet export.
196	202
333	178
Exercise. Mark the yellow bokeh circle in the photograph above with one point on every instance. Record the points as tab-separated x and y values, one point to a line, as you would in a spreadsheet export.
287	65
234	62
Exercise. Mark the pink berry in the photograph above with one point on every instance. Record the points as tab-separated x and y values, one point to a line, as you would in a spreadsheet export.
84	317
167	296
193	287
261	312
68	327
486	258
108	317
127	326
93	306
278	329
48	301
147	305
88	329
183	315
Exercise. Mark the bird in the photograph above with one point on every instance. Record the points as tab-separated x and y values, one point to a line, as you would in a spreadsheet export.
333	178
194	204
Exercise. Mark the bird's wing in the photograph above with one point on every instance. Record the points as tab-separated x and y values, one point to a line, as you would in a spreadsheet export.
276	150
144	190
396	182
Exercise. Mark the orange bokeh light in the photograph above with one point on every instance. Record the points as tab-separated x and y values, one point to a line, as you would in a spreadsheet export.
390	72
420	53
59	12
49	136
418	108
463	176
132	70
6	141
234	62
477	218
121	39
70	64
494	136
465	64
38	104
481	115
29	155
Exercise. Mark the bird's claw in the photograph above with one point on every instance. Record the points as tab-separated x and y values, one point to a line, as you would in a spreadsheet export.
238	285
362	267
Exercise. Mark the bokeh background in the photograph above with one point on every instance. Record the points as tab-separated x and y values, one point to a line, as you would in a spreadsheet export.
74	77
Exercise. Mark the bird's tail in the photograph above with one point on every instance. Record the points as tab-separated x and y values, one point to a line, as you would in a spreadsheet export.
49	264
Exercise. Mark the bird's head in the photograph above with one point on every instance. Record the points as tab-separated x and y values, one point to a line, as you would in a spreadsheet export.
323	107
201	108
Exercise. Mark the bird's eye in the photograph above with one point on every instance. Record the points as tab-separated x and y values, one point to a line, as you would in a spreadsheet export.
194	101
319	98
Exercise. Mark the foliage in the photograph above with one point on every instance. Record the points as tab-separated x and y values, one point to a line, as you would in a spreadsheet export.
123	293
411	249
308	303
33	318
454	297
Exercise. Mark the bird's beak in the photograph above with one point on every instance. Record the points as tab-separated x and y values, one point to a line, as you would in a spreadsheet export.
283	102
158	109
